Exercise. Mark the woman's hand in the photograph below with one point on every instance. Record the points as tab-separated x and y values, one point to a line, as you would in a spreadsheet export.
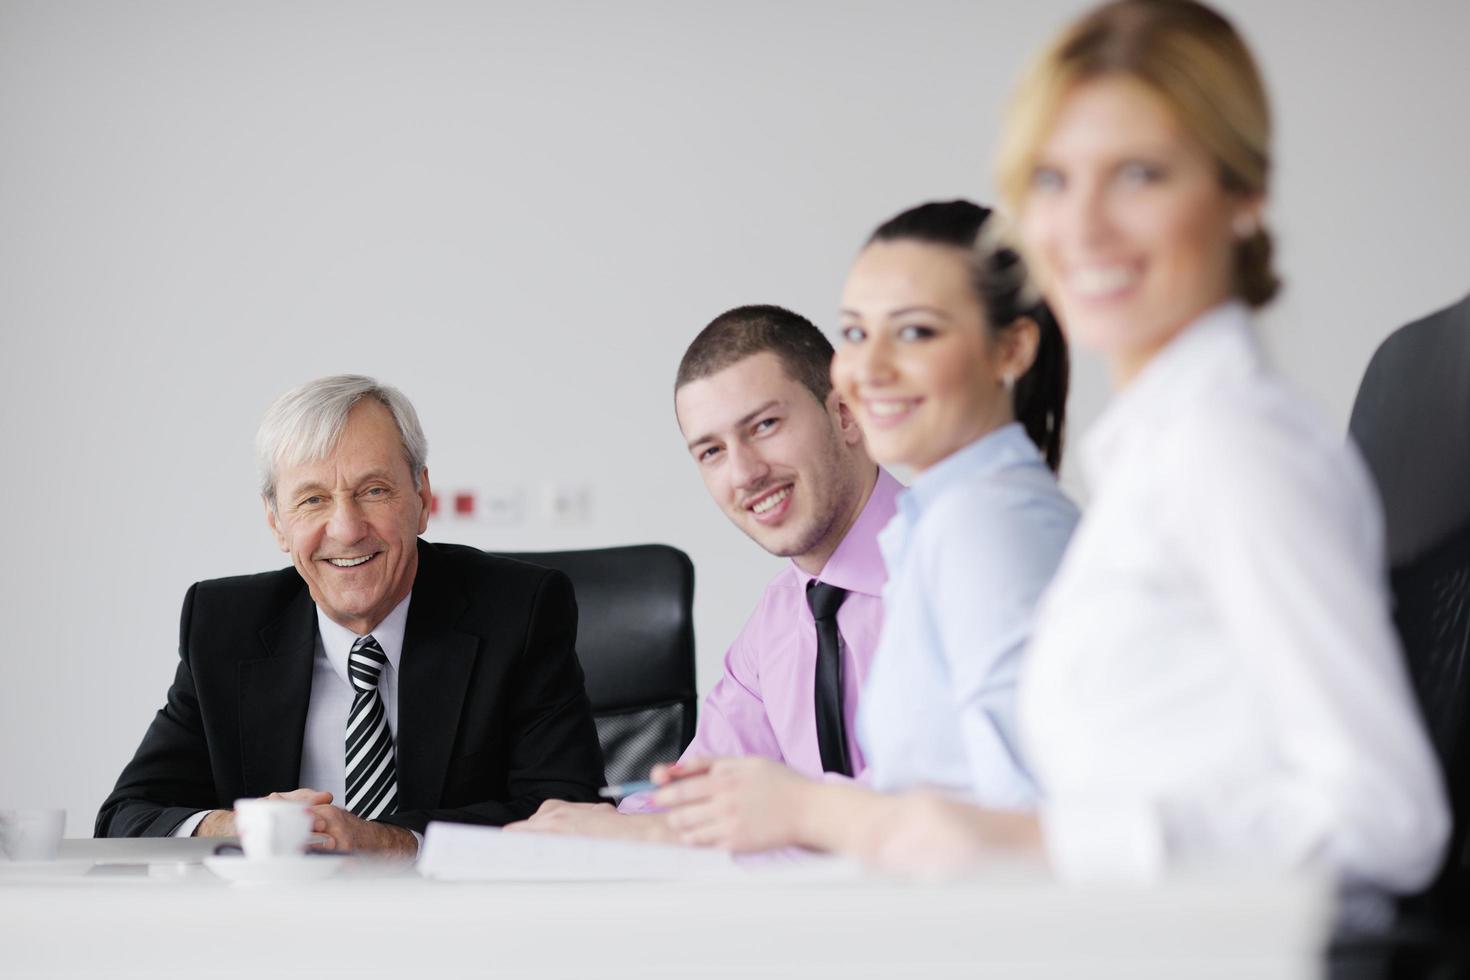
746	804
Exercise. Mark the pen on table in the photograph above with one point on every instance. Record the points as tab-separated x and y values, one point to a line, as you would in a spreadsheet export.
618	790
641	785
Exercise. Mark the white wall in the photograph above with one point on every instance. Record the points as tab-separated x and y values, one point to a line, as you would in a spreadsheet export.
520	214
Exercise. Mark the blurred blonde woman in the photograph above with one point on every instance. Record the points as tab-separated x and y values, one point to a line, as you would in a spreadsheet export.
1214	677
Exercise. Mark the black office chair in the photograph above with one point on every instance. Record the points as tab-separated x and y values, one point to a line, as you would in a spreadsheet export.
635	638
1412	422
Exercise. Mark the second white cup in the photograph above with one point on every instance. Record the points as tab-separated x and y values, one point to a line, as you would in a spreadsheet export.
31	835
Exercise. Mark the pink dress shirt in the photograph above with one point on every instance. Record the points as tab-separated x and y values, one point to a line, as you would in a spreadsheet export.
764	703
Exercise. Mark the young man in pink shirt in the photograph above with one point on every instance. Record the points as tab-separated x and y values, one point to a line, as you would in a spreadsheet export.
783	457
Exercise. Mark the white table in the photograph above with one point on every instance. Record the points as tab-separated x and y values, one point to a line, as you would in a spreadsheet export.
175	919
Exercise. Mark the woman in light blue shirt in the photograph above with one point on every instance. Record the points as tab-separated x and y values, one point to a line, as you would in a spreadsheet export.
956	370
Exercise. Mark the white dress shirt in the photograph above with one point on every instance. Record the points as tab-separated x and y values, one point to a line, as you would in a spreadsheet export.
1215	678
324	745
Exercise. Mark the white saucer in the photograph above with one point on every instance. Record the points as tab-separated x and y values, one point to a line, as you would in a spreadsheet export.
237	867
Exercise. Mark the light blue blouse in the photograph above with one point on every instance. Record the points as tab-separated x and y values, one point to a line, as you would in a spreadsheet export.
976	539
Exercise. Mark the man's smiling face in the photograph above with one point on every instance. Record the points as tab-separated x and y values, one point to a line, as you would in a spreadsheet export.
351	521
776	460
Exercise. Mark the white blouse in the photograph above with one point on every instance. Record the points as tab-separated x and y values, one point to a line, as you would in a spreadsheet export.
1215	678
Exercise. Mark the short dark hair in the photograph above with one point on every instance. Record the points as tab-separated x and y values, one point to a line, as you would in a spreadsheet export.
749	330
999	279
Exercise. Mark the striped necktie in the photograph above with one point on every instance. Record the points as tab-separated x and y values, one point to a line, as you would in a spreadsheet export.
372	778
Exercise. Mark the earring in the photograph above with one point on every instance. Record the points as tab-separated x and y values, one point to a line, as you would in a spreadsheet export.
1244	225
1008	381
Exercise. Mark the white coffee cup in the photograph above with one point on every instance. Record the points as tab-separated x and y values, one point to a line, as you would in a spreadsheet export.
31	835
272	828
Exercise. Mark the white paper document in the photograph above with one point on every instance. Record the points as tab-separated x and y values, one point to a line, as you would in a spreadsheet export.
461	852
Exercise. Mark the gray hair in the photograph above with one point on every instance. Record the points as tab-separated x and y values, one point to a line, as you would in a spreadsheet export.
306	423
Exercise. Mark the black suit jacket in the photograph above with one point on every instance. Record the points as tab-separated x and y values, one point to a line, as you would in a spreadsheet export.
492	715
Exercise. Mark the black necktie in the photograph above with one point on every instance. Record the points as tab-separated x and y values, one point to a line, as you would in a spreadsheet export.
825	600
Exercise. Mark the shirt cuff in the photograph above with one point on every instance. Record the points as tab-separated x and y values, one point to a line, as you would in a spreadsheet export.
1103	841
186	829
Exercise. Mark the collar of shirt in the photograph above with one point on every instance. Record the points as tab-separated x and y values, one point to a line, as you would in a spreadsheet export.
337	640
996	450
857	564
1217	346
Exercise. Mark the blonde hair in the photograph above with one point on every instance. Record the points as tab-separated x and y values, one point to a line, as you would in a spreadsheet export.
1193	60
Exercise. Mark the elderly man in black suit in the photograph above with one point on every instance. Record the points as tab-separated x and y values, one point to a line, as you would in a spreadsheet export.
382	680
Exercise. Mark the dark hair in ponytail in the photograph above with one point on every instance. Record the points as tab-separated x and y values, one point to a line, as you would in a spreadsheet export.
999	278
